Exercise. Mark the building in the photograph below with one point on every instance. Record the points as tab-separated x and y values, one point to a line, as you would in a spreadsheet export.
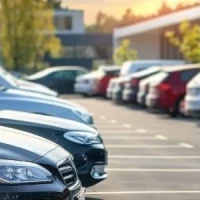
148	37
80	48
69	22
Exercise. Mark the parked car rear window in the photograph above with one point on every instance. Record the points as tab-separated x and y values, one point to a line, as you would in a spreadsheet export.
112	72
188	74
146	72
161	76
64	74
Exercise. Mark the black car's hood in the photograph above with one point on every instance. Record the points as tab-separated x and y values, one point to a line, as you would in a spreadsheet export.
20	145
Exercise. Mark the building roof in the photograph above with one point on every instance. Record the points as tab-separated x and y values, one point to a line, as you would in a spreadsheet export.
182	67
159	22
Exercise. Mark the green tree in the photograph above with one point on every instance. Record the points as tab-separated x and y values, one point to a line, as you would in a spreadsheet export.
103	24
124	53
128	17
23	37
164	9
55	4
188	41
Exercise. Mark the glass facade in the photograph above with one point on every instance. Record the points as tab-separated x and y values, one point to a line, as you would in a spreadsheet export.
87	52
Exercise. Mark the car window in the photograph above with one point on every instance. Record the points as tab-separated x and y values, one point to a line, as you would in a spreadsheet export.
159	77
80	72
125	68
62	75
112	72
188	74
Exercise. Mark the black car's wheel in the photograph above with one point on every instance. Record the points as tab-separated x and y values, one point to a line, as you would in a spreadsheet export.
178	108
85	95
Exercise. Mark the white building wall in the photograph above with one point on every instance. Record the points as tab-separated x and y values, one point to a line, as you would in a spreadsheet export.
147	44
145	37
77	21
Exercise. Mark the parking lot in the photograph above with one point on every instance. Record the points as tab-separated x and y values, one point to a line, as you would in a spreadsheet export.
150	156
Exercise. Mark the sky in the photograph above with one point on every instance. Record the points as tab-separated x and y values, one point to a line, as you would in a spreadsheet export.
117	7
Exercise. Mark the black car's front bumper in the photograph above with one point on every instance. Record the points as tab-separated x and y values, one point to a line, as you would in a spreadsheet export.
56	190
117	96
91	164
194	113
130	95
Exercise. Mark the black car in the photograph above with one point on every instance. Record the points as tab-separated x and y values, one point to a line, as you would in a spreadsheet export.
131	85
60	79
82	141
33	168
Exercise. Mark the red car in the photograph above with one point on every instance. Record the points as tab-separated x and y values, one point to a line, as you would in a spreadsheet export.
167	89
103	81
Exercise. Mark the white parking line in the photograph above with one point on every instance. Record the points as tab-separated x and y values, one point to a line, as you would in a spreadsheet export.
102	117
119	131
189	146
126	125
161	137
149	170
113	121
141	131
151	157
103	123
114	137
146	192
146	146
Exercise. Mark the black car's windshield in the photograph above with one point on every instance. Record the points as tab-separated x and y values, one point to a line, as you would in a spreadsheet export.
38	74
7	77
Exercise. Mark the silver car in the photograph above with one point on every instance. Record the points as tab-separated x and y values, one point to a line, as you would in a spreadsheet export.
42	104
9	81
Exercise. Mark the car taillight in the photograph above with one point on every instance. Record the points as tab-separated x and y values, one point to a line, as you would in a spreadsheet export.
134	82
164	86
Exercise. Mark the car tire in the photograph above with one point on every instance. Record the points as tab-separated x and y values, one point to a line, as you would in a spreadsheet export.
85	95
177	108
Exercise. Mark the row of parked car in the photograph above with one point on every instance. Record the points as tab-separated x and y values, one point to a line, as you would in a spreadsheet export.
168	85
49	147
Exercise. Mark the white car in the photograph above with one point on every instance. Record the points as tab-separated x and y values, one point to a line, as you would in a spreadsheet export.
88	84
131	67
192	99
7	80
11	99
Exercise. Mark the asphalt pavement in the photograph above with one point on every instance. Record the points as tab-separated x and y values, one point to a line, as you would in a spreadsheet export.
151	156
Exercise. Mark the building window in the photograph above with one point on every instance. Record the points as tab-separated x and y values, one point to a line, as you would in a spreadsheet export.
68	23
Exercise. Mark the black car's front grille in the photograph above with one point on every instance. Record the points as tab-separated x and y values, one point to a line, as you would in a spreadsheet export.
80	160
67	171
33	196
98	155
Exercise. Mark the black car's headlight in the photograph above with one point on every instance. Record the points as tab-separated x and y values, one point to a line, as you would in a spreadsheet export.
86	117
82	137
17	172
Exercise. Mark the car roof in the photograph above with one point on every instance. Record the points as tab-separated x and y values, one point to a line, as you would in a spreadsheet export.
49	70
181	67
60	68
155	61
108	67
44	121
